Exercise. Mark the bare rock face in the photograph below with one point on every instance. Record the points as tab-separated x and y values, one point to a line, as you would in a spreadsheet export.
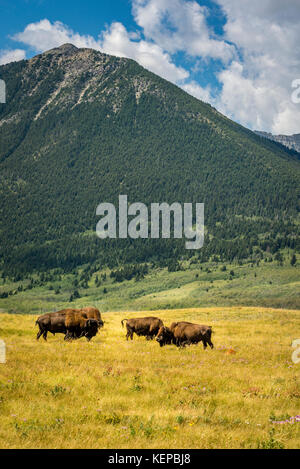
290	141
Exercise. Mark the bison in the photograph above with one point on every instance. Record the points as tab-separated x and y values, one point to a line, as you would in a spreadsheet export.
93	313
71	322
52	322
185	333
148	326
89	312
164	336
78	325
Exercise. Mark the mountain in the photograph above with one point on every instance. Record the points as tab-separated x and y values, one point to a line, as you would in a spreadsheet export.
290	141
80	127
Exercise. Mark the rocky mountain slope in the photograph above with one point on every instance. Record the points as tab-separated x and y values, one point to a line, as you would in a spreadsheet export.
290	141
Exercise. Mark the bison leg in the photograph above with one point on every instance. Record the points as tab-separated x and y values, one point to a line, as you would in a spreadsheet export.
210	343
68	336
204	344
129	333
180	343
39	333
45	335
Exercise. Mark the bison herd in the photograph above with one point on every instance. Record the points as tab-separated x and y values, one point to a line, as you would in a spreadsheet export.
74	323
179	333
85	322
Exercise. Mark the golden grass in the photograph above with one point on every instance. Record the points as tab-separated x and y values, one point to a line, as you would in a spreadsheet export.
111	393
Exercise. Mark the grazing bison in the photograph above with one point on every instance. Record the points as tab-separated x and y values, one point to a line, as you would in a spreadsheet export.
148	326
71	322
93	313
164	336
52	322
185	333
88	312
78	325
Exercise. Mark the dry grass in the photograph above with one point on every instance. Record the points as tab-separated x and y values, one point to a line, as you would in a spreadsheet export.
111	393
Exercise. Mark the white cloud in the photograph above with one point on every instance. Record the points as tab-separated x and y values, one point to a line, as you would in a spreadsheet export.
178	25
45	35
257	91
244	98
198	91
14	55
117	41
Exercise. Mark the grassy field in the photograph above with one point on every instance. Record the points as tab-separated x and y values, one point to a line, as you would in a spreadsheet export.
111	393
267	285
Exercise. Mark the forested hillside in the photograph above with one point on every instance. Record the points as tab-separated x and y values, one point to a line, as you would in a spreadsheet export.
81	127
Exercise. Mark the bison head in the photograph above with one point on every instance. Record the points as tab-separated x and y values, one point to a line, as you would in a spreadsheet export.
91	328
164	336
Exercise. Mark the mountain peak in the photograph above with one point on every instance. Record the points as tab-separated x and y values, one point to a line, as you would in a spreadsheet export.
66	48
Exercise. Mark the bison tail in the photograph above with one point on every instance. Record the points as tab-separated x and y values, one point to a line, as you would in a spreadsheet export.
123	321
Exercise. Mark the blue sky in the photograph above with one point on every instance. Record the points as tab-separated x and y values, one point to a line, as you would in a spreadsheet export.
88	17
241	59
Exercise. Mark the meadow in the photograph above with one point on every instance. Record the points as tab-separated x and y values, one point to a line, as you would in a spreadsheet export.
195	284
111	393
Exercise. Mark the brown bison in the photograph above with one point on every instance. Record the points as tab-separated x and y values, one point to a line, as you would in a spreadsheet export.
88	312
79	325
185	333
93	313
52	322
148	326
71	322
164	336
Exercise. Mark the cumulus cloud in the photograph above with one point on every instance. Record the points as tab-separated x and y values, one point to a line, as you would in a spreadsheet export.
199	92
117	41
44	35
256	91
179	25
245	99
14	55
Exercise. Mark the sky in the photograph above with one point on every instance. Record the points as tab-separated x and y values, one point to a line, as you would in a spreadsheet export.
241	56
